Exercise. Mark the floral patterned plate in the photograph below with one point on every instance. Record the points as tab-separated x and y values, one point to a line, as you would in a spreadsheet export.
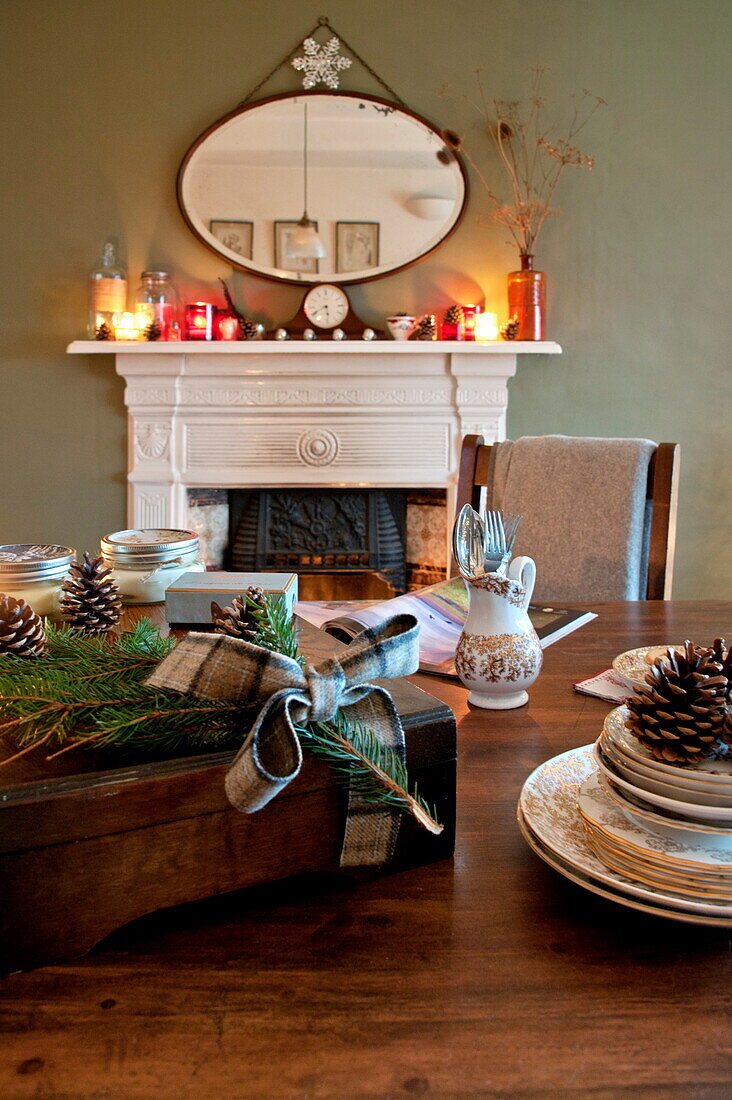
548	803
708	890
692	811
665	824
717	772
601	813
606	891
701	794
633	665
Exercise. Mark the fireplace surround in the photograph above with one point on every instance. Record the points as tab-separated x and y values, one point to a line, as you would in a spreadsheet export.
287	414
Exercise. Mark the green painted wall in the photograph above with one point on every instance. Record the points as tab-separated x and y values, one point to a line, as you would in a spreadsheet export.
102	99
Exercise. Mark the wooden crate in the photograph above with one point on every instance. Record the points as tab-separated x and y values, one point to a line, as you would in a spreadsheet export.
83	850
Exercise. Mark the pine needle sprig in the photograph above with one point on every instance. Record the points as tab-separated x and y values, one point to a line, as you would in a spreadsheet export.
276	627
372	770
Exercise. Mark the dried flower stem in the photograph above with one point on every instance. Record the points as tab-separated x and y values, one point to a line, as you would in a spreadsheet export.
533	158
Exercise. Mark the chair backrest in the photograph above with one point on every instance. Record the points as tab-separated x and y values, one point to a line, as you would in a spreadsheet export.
661	496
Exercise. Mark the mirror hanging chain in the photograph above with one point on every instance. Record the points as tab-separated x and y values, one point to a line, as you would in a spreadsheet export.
288	58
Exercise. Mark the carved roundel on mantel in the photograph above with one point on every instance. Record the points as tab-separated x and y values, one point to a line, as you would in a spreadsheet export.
318	447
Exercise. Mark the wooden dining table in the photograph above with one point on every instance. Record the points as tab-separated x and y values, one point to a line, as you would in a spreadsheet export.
483	975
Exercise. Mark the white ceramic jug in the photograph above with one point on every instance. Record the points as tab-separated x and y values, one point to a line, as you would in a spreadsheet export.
499	656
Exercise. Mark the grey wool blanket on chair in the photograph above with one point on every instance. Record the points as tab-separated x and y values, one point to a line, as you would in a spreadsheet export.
585	521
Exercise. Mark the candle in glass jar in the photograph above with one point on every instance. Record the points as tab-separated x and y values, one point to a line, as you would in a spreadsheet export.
486	326
35	573
127	327
200	321
146	562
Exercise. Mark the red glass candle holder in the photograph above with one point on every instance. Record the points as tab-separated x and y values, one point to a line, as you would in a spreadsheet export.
452	331
200	321
470	313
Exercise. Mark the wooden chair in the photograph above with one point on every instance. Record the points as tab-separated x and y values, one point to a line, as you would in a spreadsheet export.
662	493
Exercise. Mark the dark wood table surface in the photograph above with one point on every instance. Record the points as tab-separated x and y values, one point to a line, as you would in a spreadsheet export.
484	975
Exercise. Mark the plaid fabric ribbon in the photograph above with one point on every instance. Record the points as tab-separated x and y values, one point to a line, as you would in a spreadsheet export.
217	667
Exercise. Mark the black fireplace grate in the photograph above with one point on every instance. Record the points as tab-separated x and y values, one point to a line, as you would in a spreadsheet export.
319	531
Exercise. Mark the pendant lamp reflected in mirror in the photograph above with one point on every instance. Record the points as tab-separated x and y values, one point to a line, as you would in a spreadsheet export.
305	244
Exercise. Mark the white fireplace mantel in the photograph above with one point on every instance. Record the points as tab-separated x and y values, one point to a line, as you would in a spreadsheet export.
281	413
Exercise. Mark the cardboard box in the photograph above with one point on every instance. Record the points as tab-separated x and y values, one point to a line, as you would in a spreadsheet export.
188	601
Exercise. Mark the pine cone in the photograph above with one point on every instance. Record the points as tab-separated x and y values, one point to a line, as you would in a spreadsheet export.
454	315
509	331
723	656
238	621
248	330
680	716
21	630
153	331
91	597
425	329
103	332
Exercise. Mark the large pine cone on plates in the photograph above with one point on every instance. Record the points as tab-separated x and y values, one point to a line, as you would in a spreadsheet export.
680	715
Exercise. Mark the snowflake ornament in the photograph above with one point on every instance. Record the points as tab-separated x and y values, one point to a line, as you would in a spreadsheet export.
321	64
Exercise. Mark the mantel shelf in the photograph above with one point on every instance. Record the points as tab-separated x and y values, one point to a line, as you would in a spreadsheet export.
314	347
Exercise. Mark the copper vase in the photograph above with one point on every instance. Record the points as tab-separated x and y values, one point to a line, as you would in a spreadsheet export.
527	299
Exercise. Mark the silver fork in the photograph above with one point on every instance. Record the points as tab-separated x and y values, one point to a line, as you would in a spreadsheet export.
499	535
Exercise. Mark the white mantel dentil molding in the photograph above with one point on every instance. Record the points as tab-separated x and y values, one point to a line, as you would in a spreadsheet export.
269	414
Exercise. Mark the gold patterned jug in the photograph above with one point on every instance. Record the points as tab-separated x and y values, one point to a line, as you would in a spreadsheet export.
499	655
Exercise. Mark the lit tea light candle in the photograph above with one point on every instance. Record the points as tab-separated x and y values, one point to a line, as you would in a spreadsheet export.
486	326
200	321
126	328
228	327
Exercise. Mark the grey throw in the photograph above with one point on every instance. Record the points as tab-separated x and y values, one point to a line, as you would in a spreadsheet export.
583	502
217	667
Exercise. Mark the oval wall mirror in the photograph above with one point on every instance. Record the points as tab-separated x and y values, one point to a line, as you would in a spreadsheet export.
379	189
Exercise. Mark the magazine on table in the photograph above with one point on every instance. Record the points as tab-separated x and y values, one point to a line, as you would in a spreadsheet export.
441	610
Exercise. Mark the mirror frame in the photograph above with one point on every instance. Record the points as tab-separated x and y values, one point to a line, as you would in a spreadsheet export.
325	278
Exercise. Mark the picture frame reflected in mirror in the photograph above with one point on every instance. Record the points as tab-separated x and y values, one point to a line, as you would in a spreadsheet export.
237	236
357	246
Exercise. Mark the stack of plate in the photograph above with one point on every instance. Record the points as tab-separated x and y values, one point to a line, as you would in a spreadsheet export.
700	792
616	844
651	835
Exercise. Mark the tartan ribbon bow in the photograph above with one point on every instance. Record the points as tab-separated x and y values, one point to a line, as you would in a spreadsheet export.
215	666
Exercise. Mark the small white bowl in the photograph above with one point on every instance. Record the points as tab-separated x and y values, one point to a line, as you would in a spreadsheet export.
401	326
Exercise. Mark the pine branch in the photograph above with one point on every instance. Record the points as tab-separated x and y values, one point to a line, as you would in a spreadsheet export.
276	627
371	769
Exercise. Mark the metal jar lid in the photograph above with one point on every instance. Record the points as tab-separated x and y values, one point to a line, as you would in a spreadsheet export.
146	546
34	561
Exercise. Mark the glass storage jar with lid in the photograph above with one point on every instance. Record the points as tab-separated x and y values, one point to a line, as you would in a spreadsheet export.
157	301
35	573
146	562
